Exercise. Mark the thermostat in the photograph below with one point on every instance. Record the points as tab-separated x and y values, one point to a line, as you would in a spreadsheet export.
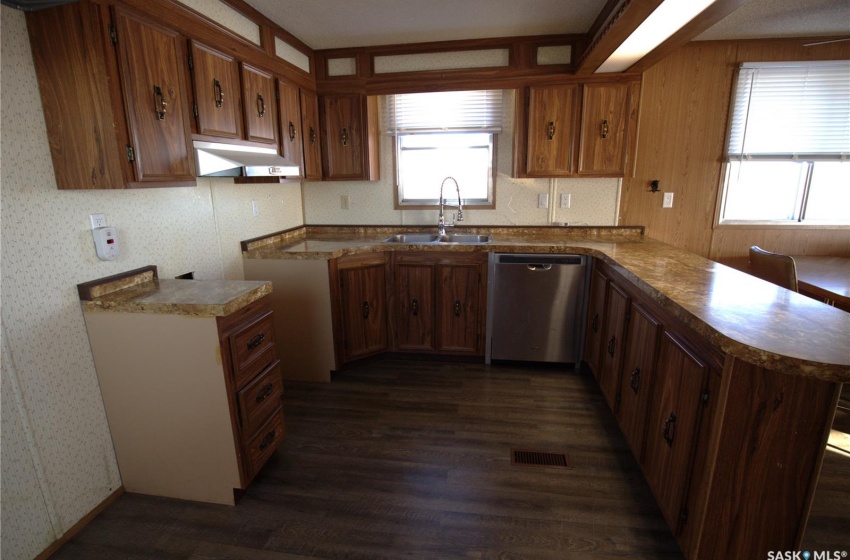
105	243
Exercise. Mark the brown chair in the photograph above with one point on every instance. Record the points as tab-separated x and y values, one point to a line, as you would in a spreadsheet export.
773	267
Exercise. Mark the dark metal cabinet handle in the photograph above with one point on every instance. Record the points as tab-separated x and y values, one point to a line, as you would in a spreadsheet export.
312	135
365	309
268	440
669	430
414	306
256	341
594	324
612	345
261	106
218	93
291	132
265	393
550	131
457	308
635	380
344	136
160	105
604	128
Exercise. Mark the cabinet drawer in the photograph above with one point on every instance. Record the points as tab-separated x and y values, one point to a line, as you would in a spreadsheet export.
252	347
260	398
260	447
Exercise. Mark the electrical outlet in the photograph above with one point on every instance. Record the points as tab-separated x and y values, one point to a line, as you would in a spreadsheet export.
566	200
255	208
543	200
344	202
97	220
668	200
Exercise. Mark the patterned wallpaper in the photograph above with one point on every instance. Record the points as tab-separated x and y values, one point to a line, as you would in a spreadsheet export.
58	460
594	201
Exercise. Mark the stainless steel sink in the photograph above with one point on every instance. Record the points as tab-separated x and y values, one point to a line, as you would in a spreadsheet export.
429	238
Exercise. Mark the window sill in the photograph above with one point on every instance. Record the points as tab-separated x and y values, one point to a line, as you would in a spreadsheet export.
740	224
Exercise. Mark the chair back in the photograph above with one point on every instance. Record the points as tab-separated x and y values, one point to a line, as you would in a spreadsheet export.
773	267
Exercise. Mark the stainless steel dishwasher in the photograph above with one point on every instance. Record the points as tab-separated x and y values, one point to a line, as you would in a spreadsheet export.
536	304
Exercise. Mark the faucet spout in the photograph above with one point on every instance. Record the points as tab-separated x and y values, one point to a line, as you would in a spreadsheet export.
441	220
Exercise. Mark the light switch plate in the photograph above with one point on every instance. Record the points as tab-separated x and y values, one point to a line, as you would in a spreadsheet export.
543	200
344	202
668	200
255	208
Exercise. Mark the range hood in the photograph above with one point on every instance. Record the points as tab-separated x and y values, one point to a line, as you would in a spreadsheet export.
237	160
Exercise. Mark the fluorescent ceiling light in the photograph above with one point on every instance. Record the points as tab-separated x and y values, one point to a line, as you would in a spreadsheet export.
667	18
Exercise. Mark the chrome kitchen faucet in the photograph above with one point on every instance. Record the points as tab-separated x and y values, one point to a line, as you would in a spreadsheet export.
441	221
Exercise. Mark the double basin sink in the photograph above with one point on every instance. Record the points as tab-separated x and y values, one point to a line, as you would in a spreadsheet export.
433	239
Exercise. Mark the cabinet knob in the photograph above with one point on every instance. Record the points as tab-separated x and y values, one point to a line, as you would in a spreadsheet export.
312	135
457	308
414	307
265	392
635	380
218	93
291	132
344	137
550	131
261	106
594	324
669	429
604	128
268	440
256	341
365	309
159	103
612	345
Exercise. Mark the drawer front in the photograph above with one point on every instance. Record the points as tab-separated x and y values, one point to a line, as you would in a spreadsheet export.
246	374
259	448
259	399
252	347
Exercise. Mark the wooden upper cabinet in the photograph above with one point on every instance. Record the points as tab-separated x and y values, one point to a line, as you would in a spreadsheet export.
349	137
551	124
291	130
605	119
218	96
151	60
311	135
258	93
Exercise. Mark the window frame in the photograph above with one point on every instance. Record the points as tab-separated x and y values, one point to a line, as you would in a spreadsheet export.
723	191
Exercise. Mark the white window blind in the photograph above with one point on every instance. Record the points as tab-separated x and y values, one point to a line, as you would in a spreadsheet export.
791	111
450	111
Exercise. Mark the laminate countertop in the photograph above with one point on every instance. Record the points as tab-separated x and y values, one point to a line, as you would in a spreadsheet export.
742	315
141	291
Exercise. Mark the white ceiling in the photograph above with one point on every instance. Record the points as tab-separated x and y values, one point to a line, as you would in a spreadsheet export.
327	24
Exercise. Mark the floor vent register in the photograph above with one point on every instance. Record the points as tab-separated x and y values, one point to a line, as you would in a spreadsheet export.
540	459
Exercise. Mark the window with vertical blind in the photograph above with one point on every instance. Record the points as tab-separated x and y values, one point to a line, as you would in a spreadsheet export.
788	153
444	134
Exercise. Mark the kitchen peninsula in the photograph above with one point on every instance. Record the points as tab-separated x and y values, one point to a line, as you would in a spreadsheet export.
738	477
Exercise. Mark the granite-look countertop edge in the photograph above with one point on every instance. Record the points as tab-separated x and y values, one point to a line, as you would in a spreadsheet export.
680	282
199	298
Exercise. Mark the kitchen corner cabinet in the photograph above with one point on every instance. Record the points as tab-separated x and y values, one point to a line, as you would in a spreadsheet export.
291	130
349	137
260	105
311	135
438	303
218	99
115	97
360	305
193	403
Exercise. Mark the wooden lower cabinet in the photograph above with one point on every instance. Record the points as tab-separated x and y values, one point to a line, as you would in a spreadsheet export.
360	307
193	403
595	315
613	335
414	303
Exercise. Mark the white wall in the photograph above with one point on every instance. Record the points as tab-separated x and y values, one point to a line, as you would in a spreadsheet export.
57	456
594	201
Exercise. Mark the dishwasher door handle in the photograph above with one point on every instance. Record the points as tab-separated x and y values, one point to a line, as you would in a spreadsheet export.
538	266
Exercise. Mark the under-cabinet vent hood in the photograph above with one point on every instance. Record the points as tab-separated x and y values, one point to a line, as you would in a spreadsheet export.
238	160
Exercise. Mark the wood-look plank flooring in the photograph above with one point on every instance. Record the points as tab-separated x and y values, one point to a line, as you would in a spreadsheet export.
408	459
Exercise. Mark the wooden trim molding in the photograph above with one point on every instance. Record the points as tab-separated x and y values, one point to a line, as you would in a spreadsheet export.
80	525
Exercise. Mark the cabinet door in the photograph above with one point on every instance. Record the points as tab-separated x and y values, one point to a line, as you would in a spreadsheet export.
638	375
363	294
595	318
604	120
677	406
551	123
343	136
414	294
312	140
218	96
459	307
151	61
614	330
291	134
259	104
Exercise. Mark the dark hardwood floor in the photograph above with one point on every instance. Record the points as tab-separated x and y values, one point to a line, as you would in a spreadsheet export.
407	459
